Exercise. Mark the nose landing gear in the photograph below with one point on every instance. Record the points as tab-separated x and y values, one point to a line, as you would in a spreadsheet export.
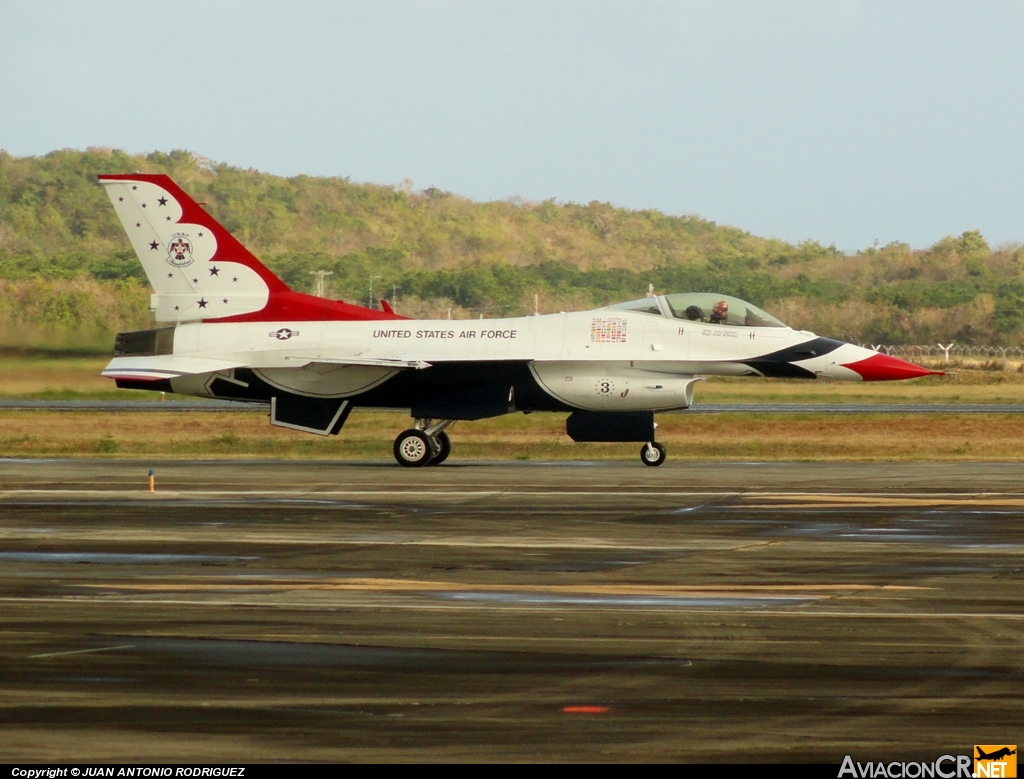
652	453
425	444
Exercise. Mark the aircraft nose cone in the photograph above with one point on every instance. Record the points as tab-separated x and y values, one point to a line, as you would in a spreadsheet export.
882	367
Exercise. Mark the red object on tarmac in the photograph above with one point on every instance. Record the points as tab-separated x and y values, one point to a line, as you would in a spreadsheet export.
882	367
584	709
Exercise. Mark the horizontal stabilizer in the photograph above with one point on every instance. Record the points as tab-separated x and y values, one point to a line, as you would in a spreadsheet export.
165	366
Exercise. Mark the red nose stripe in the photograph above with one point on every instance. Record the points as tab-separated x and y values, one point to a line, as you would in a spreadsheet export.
882	367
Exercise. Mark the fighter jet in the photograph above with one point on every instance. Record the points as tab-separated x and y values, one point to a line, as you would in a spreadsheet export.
236	331
999	753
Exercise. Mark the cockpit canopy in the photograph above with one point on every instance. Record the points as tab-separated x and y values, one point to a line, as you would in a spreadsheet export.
703	307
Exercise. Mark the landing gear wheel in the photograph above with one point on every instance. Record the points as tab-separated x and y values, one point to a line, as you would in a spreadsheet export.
413	448
652	453
444	448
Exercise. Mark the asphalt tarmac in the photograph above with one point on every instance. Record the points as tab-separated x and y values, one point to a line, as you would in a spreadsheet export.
255	611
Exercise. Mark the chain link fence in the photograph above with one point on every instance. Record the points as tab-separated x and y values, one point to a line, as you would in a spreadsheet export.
953	351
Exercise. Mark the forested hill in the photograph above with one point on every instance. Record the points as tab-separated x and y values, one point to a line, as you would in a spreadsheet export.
65	262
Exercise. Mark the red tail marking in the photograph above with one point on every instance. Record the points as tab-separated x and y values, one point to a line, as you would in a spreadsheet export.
284	304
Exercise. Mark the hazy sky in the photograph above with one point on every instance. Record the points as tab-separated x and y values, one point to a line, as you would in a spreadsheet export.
844	122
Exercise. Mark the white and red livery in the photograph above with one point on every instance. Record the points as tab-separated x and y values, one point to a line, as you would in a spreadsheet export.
236	331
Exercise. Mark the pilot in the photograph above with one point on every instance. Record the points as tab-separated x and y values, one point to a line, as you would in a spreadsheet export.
720	313
694	313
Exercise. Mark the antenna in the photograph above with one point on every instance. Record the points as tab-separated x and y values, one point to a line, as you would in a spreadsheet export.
320	280
372	303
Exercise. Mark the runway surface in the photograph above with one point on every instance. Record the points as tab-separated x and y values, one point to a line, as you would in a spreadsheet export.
509	611
700	408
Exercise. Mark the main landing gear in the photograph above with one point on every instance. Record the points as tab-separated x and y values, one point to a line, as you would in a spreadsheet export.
425	444
652	453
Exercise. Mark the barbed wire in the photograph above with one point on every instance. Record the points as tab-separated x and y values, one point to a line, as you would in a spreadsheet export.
946	351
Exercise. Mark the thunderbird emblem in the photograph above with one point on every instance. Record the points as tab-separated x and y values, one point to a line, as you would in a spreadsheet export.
179	251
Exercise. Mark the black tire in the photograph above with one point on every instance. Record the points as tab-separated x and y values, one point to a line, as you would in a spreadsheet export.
444	448
413	448
652	454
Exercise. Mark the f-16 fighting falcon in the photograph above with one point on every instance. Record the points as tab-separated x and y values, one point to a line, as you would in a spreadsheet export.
236	331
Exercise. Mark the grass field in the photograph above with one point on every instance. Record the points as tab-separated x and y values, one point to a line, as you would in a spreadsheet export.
689	437
368	435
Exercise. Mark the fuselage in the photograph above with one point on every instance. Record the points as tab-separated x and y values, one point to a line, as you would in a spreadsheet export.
603	359
236	331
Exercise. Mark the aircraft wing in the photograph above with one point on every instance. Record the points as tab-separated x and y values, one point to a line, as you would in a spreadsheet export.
376	362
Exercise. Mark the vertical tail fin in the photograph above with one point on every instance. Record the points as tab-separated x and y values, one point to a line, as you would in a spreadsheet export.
198	270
